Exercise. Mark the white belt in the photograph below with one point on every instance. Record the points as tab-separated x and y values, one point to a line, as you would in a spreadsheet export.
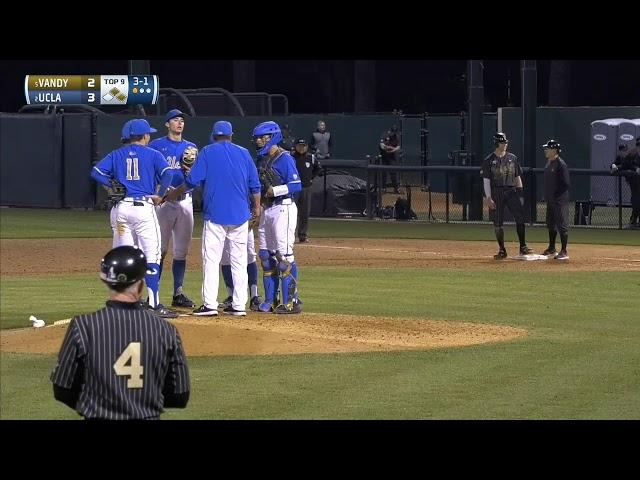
137	199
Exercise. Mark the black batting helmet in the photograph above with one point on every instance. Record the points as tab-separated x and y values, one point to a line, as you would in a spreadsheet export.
500	138
554	145
123	266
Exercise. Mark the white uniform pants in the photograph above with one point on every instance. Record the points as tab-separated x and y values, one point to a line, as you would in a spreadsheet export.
251	250
176	220
137	225
213	240
277	230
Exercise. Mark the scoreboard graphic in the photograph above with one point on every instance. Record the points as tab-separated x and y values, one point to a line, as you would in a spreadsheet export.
91	89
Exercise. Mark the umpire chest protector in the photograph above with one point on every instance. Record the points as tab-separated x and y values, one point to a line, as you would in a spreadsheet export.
503	171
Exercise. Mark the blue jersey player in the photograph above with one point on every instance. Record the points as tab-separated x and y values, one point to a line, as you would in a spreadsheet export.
279	180
139	169
176	217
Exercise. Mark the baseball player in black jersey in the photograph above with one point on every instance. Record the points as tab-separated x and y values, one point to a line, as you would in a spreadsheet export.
556	193
121	362
503	188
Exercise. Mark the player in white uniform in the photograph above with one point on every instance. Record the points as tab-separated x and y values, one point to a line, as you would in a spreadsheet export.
176	218
252	272
138	169
279	180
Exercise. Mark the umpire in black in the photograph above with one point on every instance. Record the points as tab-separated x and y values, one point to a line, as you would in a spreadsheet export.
501	172
556	194
308	167
121	362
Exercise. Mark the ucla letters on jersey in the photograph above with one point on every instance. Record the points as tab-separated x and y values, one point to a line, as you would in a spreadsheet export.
171	150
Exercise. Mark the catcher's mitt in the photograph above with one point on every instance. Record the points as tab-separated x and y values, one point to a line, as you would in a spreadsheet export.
189	156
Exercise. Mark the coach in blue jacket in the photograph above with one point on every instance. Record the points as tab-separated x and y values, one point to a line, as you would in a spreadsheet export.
228	177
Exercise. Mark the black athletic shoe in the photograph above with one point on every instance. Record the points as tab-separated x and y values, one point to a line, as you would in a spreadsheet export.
501	255
254	304
181	300
204	311
282	309
234	312
562	255
525	250
549	251
164	312
226	303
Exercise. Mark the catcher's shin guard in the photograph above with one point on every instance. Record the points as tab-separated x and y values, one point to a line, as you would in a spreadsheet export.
288	277
269	276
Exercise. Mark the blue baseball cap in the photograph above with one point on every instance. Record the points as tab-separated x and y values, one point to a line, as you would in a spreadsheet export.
125	130
173	114
222	128
137	126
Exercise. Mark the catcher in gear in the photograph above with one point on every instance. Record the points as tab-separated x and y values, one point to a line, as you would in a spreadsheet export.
176	217
280	180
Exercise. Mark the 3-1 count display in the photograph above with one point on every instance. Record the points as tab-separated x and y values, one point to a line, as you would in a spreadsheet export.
91	89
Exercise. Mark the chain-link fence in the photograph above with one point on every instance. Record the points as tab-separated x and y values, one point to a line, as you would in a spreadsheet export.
460	195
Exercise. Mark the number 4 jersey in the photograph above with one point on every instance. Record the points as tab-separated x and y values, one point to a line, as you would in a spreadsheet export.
122	362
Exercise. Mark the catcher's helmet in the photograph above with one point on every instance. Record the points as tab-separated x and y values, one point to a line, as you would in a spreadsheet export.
268	128
123	266
500	138
553	145
189	156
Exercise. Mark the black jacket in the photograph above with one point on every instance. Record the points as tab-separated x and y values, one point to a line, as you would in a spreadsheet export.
308	167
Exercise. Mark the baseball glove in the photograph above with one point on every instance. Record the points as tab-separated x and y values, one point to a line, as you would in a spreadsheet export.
189	156
116	192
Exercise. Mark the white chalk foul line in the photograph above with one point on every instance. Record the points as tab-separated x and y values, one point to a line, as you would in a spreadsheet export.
387	250
390	250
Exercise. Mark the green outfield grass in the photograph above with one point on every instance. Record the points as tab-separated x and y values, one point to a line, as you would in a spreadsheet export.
38	223
580	359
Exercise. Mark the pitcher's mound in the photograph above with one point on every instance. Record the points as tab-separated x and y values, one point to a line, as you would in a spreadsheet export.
261	334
